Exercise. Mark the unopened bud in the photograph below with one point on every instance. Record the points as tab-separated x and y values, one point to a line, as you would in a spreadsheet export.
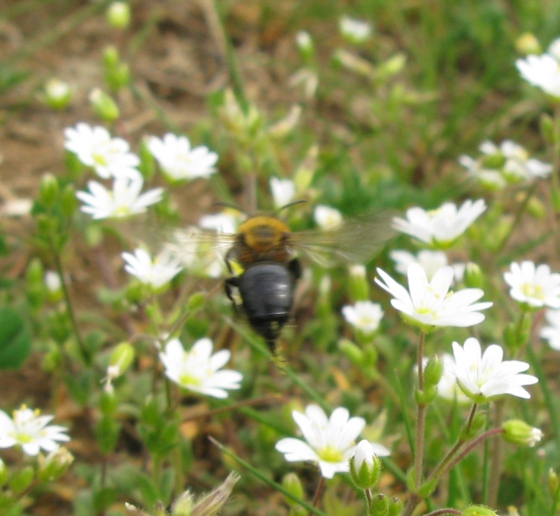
365	466
56	94
103	105
49	190
118	15
54	464
213	502
553	482
353	352
305	46
527	44
183	505
433	372
473	276
292	484
520	433
379	505
358	283
395	507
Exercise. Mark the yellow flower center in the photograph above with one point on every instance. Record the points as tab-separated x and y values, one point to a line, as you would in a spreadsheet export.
187	379
532	290
330	454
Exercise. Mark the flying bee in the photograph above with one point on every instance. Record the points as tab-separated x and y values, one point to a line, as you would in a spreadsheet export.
266	252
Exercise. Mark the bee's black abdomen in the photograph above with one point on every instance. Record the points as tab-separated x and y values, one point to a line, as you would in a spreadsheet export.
267	293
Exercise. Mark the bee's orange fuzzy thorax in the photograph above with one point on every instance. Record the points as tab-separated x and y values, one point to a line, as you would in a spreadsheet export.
261	235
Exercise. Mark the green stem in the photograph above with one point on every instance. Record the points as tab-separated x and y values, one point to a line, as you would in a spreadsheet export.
420	416
318	492
69	306
518	214
442	466
496	458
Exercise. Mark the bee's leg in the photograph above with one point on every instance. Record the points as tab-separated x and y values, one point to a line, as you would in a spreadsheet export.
294	268
228	258
229	285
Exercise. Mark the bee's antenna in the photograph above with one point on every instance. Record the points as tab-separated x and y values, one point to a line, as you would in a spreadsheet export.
289	205
224	204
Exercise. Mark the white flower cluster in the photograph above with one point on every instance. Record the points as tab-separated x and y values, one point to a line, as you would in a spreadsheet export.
503	165
110	158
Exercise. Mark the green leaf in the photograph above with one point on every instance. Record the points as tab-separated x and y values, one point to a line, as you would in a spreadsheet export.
15	339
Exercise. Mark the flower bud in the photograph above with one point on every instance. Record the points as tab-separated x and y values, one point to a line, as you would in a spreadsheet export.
527	44
183	505
520	433
547	128
379	505
196	301
121	358
54	464
553	482
305	46
118	15
473	276
56	94
365	466
213	502
433	372
103	105
49	190
292	484
354	31
395	507
478	510
68	200
358	284
393	65
351	351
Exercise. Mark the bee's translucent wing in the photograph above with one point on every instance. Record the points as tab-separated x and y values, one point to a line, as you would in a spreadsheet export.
200	249
355	241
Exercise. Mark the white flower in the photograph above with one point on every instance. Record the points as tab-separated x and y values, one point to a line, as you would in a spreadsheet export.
542	71
94	147
507	164
330	442
178	160
552	332
554	49
28	429
447	387
432	303
364	315
304	41
483	377
442	226
327	217
124	200
223	222
155	272
534	286
430	261
283	191
355	31
197	370
52	281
